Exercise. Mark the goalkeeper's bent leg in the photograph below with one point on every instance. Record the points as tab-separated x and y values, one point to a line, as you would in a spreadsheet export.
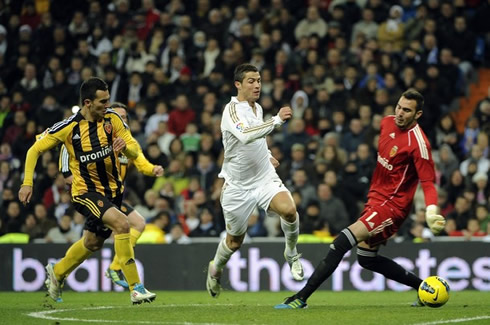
370	260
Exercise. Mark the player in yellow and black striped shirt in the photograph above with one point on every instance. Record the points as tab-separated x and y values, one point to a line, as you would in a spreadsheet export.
93	138
136	220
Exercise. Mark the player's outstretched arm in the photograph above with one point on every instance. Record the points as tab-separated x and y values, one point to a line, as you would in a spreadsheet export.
145	167
45	143
245	133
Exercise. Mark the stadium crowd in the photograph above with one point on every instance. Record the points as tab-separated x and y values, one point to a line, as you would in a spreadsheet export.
340	64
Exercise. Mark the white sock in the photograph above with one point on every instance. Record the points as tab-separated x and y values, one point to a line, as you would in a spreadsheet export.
291	233
223	254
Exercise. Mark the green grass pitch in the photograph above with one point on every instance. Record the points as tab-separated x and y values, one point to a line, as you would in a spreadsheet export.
196	307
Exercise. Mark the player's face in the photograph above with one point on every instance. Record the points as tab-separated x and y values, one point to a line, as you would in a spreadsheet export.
249	88
99	105
122	112
405	113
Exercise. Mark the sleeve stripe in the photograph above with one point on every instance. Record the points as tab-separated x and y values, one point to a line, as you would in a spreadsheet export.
64	160
233	113
424	153
58	126
262	126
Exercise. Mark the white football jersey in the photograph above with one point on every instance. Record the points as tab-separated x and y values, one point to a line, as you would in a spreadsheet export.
247	158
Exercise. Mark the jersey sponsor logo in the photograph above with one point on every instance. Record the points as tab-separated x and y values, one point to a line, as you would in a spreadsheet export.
393	151
108	127
94	156
385	162
240	126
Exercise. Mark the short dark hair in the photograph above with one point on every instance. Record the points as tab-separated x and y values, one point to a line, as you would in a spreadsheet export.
90	87
242	69
412	94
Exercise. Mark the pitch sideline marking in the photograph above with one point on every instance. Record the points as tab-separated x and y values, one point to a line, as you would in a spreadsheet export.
46	315
457	320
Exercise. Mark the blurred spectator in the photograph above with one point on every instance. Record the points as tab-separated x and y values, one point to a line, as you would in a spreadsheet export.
154	232
191	138
482	192
461	213
256	227
471	230
64	233
206	226
180	116
447	162
332	209
313	23
296	134
177	235
298	160
13	219
455	185
347	189
476	156
483	217
391	31
205	170
16	129
31	227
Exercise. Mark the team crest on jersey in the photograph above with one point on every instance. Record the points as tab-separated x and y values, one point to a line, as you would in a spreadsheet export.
393	151
123	209
240	126
108	127
100	203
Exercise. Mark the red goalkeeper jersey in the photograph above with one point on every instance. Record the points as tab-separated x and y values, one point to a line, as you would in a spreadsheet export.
404	159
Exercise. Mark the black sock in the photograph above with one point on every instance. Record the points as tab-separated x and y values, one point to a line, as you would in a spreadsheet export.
390	269
341	245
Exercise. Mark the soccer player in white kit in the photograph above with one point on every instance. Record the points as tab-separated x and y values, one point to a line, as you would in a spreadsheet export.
250	176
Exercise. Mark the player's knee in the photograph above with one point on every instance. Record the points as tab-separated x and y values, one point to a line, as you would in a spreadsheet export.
234	245
367	262
289	214
93	243
121	226
137	223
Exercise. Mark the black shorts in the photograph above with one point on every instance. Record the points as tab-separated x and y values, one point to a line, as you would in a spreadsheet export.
126	208
93	206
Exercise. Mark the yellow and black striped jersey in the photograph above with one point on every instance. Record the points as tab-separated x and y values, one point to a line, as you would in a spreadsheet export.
92	161
141	163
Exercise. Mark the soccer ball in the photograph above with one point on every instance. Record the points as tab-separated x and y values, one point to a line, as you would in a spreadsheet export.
434	291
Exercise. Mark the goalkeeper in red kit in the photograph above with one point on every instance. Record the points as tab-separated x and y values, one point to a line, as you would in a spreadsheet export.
404	160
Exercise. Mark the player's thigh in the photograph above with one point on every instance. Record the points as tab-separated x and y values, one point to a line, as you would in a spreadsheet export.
276	197
93	206
382	222
135	219
116	220
238	206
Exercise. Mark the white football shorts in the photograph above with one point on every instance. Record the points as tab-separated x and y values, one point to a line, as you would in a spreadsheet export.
238	204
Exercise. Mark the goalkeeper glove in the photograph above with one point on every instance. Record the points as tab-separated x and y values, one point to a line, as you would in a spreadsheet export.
435	221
